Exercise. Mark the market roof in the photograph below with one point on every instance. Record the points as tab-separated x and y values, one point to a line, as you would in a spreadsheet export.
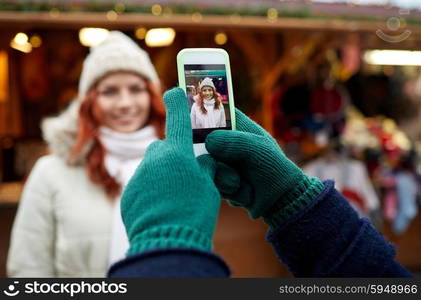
205	14
293	8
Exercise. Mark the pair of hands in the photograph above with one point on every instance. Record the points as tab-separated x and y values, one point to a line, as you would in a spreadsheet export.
173	198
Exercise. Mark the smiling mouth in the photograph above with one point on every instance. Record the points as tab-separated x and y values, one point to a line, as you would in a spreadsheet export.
125	120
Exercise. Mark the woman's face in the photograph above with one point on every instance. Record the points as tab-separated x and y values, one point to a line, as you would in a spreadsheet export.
207	92
124	101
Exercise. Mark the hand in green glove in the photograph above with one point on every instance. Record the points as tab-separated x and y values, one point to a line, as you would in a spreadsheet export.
171	200
269	184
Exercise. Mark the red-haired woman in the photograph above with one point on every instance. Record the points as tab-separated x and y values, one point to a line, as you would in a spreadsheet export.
208	110
68	223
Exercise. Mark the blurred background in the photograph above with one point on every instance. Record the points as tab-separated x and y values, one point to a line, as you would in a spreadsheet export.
333	81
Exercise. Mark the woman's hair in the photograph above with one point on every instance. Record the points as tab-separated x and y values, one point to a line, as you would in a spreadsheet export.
216	96
89	122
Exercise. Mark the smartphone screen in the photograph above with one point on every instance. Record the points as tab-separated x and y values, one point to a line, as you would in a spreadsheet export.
208	97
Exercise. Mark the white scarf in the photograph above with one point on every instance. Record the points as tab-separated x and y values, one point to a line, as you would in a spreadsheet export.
209	102
124	152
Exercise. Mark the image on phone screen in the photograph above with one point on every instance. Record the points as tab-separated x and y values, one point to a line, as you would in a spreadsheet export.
207	93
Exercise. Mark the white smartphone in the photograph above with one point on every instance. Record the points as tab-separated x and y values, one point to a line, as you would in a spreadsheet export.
205	76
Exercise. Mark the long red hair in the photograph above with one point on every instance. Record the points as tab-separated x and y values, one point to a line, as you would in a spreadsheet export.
216	96
89	122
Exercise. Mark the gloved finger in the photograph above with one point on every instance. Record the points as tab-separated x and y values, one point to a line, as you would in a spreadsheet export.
243	196
244	123
207	164
236	146
145	163
227	180
178	125
152	148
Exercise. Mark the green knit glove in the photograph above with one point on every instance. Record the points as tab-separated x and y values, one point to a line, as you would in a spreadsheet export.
269	184
171	200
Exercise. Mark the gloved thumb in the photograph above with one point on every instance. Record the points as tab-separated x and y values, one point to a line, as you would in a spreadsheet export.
207	164
226	179
231	147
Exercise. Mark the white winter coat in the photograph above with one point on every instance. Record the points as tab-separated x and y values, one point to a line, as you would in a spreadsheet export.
63	224
212	119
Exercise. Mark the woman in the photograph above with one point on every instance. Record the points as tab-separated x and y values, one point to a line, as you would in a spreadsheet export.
208	110
68	223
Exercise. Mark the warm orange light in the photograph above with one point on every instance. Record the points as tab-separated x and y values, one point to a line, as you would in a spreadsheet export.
20	43
160	37
4	76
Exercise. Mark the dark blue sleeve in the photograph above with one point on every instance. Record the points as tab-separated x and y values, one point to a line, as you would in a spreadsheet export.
328	239
171	263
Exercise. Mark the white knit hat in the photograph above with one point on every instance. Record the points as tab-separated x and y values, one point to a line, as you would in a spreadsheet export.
206	82
116	53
